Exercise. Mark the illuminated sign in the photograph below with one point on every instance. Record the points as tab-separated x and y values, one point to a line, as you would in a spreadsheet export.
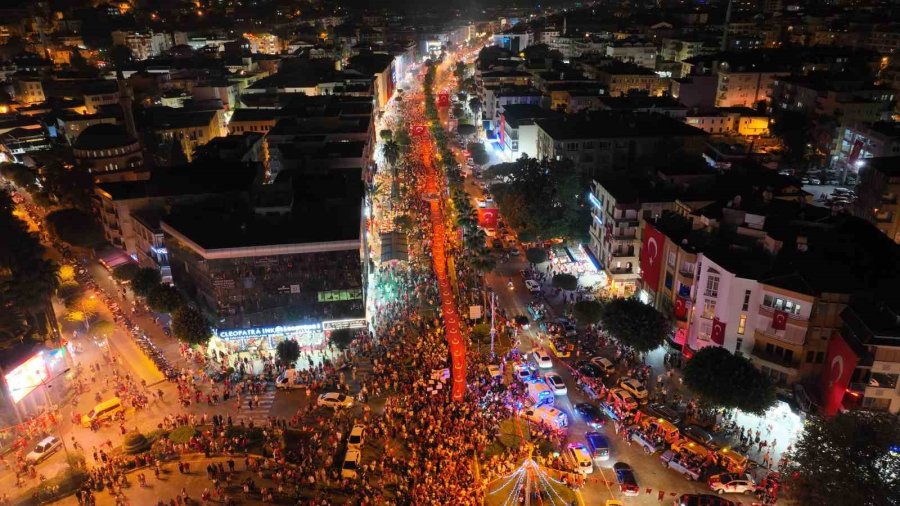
269	332
25	378
338	295
352	323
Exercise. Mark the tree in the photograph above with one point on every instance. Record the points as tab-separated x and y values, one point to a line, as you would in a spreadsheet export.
403	222
391	152
164	298
543	199
480	333
478	153
341	338
19	174
588	312
635	324
795	130
75	227
466	130
126	272
475	106
102	328
190	326
386	134
288	352
729	381
146	279
851	456
83	310
536	255
402	137
565	281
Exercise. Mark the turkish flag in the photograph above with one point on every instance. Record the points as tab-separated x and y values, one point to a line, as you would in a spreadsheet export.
443	100
779	320
487	217
840	362
718	332
418	130
651	255
680	308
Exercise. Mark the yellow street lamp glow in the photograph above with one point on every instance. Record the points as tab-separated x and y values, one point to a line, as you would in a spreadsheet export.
66	273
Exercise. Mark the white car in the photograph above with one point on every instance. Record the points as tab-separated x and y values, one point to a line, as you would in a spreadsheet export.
350	467
482	204
579	455
494	372
288	382
556	383
605	364
532	285
730	483
635	388
46	447
524	370
335	400
356	437
623	399
543	359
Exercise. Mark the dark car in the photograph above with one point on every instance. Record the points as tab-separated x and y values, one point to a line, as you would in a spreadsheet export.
702	500
590	414
697	434
588	369
627	481
664	412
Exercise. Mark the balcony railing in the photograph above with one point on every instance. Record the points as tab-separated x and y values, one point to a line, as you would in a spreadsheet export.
793	363
621	270
792	335
622	253
792	318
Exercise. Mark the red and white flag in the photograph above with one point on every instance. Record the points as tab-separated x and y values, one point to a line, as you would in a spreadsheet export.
718	332
779	320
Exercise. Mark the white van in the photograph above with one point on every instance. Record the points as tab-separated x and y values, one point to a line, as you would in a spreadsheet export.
547	415
540	393
288	380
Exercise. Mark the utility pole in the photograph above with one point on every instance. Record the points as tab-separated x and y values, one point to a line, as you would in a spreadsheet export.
493	329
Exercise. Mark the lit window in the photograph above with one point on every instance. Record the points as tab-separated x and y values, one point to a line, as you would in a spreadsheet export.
742	323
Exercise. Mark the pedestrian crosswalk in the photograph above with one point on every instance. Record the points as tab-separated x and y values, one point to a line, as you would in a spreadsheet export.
260	412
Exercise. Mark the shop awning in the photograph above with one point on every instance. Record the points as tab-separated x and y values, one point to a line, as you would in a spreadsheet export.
394	247
113	257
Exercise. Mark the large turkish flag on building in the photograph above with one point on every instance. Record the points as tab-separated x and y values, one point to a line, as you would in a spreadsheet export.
718	332
680	307
779	320
651	255
839	365
418	130
487	217
443	100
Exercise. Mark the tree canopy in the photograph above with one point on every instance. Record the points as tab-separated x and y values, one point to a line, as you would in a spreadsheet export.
852	456
164	298
342	338
634	324
126	272
146	279
565	281
76	227
190	326
544	200
536	255
729	381
466	130
587	312
288	352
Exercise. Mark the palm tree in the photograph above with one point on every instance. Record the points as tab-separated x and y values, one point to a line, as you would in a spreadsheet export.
31	287
391	152
12	326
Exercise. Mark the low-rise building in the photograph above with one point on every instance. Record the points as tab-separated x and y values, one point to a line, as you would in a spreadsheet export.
621	79
637	50
741	121
497	98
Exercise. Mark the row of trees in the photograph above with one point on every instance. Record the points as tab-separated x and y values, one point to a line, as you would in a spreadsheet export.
28	280
188	324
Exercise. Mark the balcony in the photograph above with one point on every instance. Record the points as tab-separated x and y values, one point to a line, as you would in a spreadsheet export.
622	252
792	318
788	366
621	270
619	233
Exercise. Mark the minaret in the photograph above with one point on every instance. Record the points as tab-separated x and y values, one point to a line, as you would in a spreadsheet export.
126	97
725	28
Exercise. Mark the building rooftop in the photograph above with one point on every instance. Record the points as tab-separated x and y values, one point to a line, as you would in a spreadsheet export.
515	114
326	208
887	165
610	124
103	136
248	114
198	178
642	102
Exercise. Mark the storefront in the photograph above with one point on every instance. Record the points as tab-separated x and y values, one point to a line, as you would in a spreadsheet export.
310	336
576	260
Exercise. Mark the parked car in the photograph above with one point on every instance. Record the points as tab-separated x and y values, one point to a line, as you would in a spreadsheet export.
356	438
590	414
623	399
579	455
543	359
672	460
494	372
350	467
46	447
546	415
588	369
532	286
556	383
605	364
334	400
702	500
525	370
627	481
664	412
697	434
635	388
598	444
732	483
647	443
288	381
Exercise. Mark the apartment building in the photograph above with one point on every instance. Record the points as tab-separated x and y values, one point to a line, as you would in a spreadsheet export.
497	98
878	192
143	45
741	121
869	344
635	50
